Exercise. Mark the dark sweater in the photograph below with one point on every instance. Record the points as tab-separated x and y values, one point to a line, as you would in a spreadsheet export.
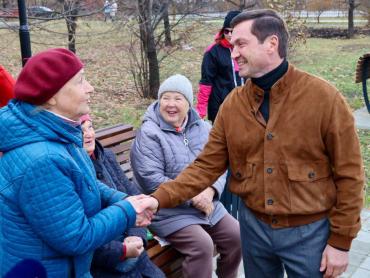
106	258
265	82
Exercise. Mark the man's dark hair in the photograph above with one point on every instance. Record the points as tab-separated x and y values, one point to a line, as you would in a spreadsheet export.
266	23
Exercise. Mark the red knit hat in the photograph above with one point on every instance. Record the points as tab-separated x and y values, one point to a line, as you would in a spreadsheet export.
45	74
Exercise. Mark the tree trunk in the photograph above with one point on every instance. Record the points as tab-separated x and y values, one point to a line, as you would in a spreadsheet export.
167	27
351	8
148	43
71	11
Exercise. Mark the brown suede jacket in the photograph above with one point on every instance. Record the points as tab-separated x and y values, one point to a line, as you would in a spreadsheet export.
305	164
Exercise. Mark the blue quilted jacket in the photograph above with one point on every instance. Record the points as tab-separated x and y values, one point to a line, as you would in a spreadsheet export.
51	203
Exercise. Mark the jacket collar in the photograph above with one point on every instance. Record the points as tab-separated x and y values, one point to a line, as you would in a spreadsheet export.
277	92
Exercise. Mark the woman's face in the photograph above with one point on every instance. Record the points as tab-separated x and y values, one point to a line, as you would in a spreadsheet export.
173	107
88	136
227	33
72	100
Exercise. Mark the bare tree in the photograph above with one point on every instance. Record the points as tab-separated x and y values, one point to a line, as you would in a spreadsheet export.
145	8
166	23
71	9
319	6
351	9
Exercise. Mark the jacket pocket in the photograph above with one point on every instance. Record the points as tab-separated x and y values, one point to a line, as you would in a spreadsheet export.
241	177
311	187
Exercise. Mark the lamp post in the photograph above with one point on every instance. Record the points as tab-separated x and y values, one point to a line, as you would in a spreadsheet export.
24	34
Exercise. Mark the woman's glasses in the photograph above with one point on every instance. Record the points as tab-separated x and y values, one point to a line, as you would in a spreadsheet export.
228	31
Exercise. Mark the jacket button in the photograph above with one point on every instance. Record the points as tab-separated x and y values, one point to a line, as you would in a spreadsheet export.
99	175
269	136
269	170
311	175
238	175
270	202
274	221
89	187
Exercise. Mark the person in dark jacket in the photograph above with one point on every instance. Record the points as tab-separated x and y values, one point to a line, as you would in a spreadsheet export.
123	257
220	73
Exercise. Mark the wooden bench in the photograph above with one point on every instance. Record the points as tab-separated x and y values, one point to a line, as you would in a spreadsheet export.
119	138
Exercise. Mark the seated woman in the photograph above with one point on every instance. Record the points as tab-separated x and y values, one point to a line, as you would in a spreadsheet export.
124	257
170	138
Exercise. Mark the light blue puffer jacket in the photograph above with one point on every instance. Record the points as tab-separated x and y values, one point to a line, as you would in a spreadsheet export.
52	207
160	153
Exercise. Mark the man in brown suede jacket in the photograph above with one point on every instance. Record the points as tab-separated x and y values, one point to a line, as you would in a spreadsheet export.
290	142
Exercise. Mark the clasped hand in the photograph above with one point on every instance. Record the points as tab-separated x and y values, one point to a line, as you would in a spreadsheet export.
203	201
145	206
134	246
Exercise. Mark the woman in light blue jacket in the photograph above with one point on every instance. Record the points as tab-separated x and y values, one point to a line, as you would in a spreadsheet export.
53	209
170	138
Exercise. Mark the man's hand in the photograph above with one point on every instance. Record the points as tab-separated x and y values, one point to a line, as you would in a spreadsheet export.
134	246
334	262
203	201
144	206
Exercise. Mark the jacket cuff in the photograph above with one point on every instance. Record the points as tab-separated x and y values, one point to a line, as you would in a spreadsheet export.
162	197
129	212
339	241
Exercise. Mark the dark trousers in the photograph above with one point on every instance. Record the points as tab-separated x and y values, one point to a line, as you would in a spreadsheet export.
267	251
196	242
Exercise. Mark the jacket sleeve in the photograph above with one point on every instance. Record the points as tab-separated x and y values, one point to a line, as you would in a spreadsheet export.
123	183
109	195
108	255
209	72
219	185
51	205
210	164
344	152
147	161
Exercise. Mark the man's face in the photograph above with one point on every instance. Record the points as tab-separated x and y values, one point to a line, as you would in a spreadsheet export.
251	55
72	100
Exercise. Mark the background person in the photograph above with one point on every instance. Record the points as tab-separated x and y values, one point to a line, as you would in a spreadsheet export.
122	257
51	202
113	11
220	73
107	10
171	136
291	144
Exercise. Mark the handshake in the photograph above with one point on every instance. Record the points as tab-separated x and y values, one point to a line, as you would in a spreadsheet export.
145	207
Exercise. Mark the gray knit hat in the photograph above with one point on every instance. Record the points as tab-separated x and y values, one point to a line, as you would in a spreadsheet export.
177	83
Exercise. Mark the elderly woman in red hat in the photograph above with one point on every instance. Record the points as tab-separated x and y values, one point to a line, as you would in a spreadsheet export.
53	209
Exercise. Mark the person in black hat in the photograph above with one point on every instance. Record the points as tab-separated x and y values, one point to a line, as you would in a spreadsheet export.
220	73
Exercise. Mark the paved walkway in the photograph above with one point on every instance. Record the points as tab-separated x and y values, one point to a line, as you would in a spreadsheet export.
359	256
362	118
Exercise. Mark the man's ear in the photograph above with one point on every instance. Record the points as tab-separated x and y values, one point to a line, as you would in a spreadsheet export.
273	43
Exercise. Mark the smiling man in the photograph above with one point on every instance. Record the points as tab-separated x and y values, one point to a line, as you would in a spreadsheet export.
290	142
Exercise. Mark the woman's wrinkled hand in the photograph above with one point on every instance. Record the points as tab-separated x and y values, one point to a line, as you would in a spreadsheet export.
203	201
